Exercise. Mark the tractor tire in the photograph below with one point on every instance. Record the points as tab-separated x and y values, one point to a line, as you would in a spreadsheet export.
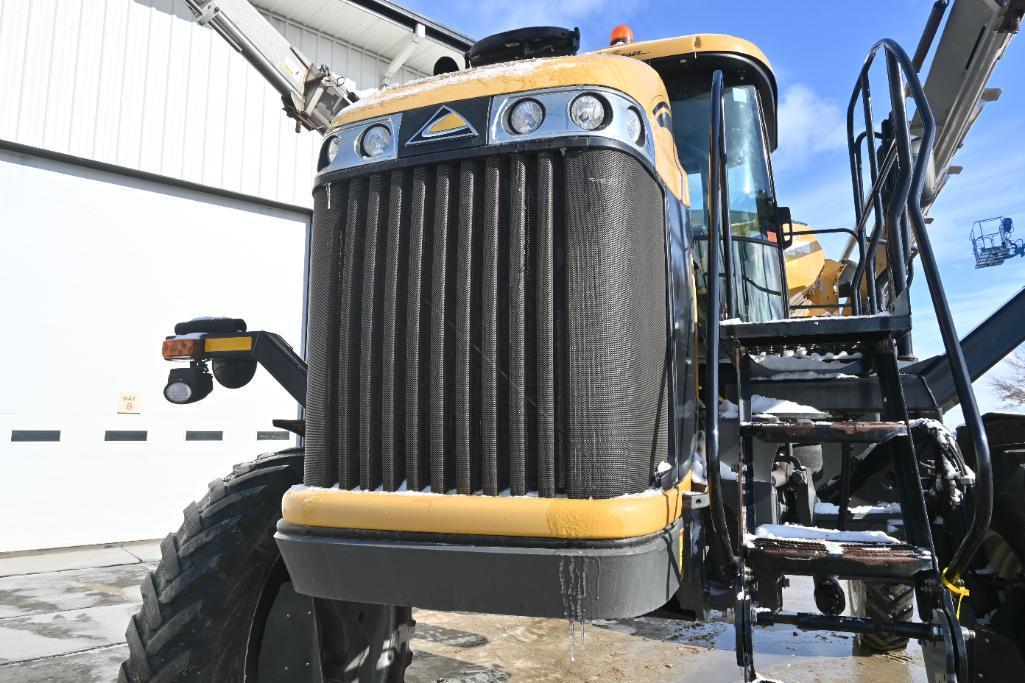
221	586
885	602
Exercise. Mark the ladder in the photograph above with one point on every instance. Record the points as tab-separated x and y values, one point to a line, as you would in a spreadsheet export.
888	215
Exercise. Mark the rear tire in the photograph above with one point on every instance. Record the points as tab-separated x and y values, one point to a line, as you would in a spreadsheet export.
219	580
886	603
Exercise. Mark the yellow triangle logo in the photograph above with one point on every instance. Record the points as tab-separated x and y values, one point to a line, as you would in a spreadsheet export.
450	121
445	124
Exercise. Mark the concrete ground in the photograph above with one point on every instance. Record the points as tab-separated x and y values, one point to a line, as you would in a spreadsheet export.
63	617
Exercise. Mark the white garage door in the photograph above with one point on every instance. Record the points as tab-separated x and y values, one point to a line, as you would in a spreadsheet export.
95	269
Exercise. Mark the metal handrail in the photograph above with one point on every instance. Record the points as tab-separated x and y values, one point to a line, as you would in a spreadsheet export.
874	174
900	67
716	213
867	251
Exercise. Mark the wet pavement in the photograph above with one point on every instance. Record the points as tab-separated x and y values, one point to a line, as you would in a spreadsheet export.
63	617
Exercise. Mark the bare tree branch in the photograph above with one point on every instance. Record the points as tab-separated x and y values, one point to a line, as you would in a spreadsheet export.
1011	387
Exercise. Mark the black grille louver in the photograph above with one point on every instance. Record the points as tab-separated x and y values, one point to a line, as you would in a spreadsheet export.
489	324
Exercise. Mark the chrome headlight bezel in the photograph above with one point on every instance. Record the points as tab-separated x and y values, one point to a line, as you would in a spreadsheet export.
518	105
351	152
558	121
635	125
597	105
332	146
381	147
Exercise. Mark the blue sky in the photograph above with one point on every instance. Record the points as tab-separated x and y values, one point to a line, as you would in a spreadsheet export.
816	49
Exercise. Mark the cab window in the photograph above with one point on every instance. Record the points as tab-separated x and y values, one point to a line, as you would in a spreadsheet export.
757	262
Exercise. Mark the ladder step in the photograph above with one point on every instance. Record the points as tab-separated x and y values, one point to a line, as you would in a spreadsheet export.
808	431
809	367
806	557
822	330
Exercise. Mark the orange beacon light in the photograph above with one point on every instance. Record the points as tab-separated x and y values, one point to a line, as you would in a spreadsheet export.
621	35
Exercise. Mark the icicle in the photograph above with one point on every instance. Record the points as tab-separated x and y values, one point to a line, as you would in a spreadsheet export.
570	607
581	595
572	641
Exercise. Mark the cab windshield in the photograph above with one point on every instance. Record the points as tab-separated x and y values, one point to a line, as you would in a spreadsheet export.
757	262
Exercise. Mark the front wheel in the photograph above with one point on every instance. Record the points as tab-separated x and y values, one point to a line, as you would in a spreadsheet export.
885	603
220	605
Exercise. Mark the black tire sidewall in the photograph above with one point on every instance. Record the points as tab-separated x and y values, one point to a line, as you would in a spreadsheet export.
199	603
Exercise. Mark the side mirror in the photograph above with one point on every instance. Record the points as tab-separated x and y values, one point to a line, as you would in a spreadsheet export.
784	226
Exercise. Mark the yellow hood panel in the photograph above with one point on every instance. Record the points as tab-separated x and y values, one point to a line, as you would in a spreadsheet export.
629	76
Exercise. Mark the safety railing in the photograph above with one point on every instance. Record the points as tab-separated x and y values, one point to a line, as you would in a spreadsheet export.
717	215
895	201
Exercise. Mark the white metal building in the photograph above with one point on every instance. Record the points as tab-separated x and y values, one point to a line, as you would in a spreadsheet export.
147	176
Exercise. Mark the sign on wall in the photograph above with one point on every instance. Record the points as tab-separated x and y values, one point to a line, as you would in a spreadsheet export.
129	403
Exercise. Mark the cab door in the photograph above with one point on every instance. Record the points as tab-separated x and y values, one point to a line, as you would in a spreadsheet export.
758	271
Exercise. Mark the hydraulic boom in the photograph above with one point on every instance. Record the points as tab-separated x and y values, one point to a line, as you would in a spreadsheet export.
974	38
312	95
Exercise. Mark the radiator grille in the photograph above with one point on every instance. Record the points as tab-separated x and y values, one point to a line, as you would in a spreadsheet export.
488	325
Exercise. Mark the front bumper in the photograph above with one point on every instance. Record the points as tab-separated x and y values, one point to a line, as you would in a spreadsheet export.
578	579
545	557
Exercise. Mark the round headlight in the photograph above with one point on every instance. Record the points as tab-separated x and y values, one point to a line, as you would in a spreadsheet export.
332	148
588	112
375	141
178	392
634	125
526	116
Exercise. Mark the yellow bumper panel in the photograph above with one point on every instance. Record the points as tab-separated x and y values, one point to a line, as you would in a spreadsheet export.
626	517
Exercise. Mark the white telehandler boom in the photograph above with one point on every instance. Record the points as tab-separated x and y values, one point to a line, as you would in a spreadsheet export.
312	95
973	40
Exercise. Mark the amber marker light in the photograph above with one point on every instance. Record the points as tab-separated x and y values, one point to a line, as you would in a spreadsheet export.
182	349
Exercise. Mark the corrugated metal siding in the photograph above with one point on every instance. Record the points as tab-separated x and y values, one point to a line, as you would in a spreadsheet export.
373	32
137	83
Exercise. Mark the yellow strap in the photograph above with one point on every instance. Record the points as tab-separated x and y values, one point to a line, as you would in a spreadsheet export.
956	587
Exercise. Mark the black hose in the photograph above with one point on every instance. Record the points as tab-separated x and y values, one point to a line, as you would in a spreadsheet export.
714	210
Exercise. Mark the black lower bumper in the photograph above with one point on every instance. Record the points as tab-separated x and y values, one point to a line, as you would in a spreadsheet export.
526	577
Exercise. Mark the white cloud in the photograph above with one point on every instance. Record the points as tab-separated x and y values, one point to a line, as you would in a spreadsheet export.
808	125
